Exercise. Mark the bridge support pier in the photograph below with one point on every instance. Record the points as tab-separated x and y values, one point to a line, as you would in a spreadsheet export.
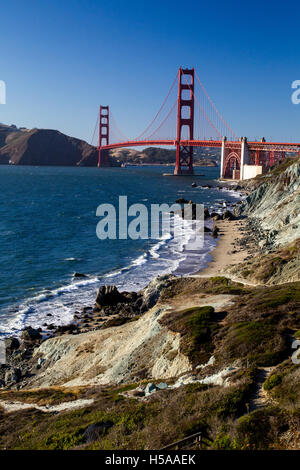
103	155
185	118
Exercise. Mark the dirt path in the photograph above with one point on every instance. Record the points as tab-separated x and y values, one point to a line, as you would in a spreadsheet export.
10	406
259	397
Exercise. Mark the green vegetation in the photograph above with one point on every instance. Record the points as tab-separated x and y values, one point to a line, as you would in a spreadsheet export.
47	396
259	429
279	295
272	381
272	265
258	341
128	423
195	326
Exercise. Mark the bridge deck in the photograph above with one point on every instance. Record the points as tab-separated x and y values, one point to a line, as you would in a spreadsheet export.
284	146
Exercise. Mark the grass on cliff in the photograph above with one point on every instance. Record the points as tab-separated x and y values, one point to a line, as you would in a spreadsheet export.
259	324
185	287
273	266
195	326
47	396
165	417
128	423
283	385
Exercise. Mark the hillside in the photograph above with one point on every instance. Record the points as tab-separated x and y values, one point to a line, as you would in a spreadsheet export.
156	155
44	147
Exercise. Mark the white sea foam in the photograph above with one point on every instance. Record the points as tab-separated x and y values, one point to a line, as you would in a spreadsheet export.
57	306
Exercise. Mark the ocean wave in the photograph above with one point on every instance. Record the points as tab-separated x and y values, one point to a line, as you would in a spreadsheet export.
57	306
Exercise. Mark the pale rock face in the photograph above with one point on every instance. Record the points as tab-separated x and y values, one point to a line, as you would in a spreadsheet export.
277	205
114	355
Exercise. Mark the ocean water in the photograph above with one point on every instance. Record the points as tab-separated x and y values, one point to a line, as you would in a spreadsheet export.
48	231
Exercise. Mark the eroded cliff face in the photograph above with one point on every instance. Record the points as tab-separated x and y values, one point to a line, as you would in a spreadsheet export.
276	205
124	354
273	208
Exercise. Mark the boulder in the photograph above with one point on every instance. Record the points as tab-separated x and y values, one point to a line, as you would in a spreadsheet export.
30	334
108	295
162	386
181	200
79	275
12	344
12	376
227	215
206	213
150	388
215	232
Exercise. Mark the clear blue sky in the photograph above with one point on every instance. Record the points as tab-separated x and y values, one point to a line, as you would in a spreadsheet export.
60	59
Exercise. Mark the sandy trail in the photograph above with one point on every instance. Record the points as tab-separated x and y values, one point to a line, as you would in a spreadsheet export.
228	251
10	406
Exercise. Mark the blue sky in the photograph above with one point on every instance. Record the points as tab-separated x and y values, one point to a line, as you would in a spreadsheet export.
61	59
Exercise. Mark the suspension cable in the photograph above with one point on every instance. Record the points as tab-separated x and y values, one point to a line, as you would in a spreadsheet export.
97	121
164	102
211	102
164	119
207	118
117	127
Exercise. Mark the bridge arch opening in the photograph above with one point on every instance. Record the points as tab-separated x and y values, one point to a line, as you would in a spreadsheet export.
232	166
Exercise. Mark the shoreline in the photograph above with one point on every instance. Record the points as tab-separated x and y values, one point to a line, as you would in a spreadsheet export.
79	310
228	250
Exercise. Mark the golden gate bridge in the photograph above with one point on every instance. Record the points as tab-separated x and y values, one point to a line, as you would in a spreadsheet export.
190	119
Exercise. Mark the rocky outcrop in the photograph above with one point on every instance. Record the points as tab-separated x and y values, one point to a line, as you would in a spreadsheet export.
276	205
120	354
273	210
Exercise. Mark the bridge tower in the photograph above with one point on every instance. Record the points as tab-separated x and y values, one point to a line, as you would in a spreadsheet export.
185	106
103	159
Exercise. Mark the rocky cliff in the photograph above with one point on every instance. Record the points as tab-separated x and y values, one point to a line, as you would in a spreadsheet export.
273	211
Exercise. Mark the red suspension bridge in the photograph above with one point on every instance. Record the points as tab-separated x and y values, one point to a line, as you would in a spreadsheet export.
190	119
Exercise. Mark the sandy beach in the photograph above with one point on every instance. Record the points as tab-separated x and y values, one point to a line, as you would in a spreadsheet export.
227	251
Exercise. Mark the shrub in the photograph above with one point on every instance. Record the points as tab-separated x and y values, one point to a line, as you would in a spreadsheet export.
272	381
259	429
223	442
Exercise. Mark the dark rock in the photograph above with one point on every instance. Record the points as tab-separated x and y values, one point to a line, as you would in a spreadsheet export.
181	200
206	213
12	344
87	309
194	185
79	275
66	328
215	232
30	334
94	431
108	295
228	215
12	376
